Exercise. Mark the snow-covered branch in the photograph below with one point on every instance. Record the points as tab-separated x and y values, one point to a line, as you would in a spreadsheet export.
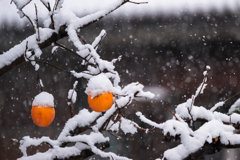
101	76
215	127
64	22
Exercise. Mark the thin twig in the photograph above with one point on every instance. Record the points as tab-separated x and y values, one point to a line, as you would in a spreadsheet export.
136	125
231	97
82	39
37	29
24	5
45	5
104	125
45	63
137	2
115	120
51	16
227	100
53	66
65	48
171	111
29	20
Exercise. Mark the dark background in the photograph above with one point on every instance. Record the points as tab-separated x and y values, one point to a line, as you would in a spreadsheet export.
167	53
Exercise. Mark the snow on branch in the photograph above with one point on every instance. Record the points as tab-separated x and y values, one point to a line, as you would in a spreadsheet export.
20	4
94	121
101	76
215	126
63	22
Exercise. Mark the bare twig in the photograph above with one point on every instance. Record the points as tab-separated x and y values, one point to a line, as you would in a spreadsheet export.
45	5
29	19
115	120
105	124
37	29
138	2
82	39
171	111
56	4
24	5
232	97
51	14
65	48
52	66
25	55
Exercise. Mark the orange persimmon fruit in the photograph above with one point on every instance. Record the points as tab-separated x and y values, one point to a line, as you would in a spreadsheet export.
101	103
42	115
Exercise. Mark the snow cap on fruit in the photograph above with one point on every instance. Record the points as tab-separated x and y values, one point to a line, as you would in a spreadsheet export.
99	84
44	99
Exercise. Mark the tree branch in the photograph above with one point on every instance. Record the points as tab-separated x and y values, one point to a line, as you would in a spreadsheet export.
54	38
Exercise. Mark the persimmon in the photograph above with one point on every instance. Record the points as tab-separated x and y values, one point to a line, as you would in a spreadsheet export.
42	116
43	111
102	102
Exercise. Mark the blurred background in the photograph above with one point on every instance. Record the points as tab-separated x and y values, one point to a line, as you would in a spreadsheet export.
165	45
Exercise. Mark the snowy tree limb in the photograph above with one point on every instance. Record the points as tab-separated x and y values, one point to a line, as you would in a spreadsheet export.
14	57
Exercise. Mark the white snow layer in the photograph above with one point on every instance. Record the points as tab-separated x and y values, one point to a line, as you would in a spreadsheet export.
17	51
191	141
72	94
235	107
127	126
44	99
216	125
83	141
98	85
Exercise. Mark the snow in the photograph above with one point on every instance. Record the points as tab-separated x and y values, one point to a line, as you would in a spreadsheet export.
84	118
17	51
136	87
127	126
98	38
43	99
235	118
72	94
98	85
54	49
217	105
216	125
191	141
113	126
208	67
235	107
83	141
103	78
